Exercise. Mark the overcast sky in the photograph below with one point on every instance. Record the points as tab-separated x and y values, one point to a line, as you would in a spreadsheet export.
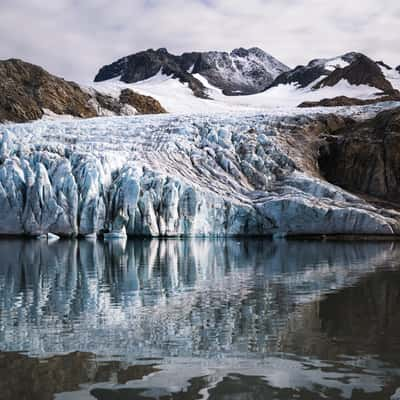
73	38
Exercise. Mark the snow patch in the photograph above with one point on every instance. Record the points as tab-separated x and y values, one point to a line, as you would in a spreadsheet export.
392	75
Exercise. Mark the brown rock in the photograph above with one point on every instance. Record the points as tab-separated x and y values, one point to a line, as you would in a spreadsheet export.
349	101
365	157
143	104
28	89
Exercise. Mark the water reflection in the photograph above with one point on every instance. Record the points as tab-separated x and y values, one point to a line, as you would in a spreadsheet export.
27	378
220	316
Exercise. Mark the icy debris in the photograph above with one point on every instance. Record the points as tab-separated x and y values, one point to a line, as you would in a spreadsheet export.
170	176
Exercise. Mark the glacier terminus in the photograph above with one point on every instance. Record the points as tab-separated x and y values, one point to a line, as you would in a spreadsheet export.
176	176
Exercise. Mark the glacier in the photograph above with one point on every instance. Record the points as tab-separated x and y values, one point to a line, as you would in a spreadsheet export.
173	175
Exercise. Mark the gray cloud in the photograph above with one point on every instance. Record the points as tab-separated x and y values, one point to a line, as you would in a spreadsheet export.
73	38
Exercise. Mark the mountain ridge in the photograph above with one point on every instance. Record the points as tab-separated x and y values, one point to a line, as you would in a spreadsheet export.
196	82
242	71
245	72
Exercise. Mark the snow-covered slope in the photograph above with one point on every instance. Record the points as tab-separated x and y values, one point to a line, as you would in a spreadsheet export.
174	176
392	75
176	97
353	76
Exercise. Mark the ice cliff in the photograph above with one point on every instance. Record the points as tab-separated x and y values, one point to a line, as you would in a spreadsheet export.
174	176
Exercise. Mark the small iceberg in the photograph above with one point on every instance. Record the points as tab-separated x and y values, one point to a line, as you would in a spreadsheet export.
50	237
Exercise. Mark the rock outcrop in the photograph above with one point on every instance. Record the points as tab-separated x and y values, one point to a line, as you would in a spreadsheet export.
365	157
28	92
186	176
127	103
243	71
348	101
142	104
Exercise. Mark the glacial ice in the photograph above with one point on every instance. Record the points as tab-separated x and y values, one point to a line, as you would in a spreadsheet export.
171	176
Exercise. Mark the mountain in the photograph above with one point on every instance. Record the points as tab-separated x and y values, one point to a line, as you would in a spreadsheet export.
240	72
360	71
217	79
354	67
243	71
28	92
344	73
147	64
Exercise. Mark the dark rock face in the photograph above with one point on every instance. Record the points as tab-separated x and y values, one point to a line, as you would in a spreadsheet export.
146	64
243	71
362	71
348	101
398	68
301	75
365	157
139	66
28	90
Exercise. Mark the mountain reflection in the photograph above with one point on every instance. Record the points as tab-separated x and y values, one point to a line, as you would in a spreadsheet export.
217	317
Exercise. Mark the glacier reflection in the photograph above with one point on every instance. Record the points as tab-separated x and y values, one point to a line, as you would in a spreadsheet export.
169	297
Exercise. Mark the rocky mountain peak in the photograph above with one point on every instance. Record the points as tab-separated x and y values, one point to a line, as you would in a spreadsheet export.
242	71
162	50
242	52
354	67
360	71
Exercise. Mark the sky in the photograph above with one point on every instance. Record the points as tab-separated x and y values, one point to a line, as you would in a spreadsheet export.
74	38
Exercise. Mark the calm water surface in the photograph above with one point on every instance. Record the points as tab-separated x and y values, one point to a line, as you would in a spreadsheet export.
199	319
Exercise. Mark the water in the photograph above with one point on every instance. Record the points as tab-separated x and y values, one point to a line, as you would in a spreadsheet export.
192	319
